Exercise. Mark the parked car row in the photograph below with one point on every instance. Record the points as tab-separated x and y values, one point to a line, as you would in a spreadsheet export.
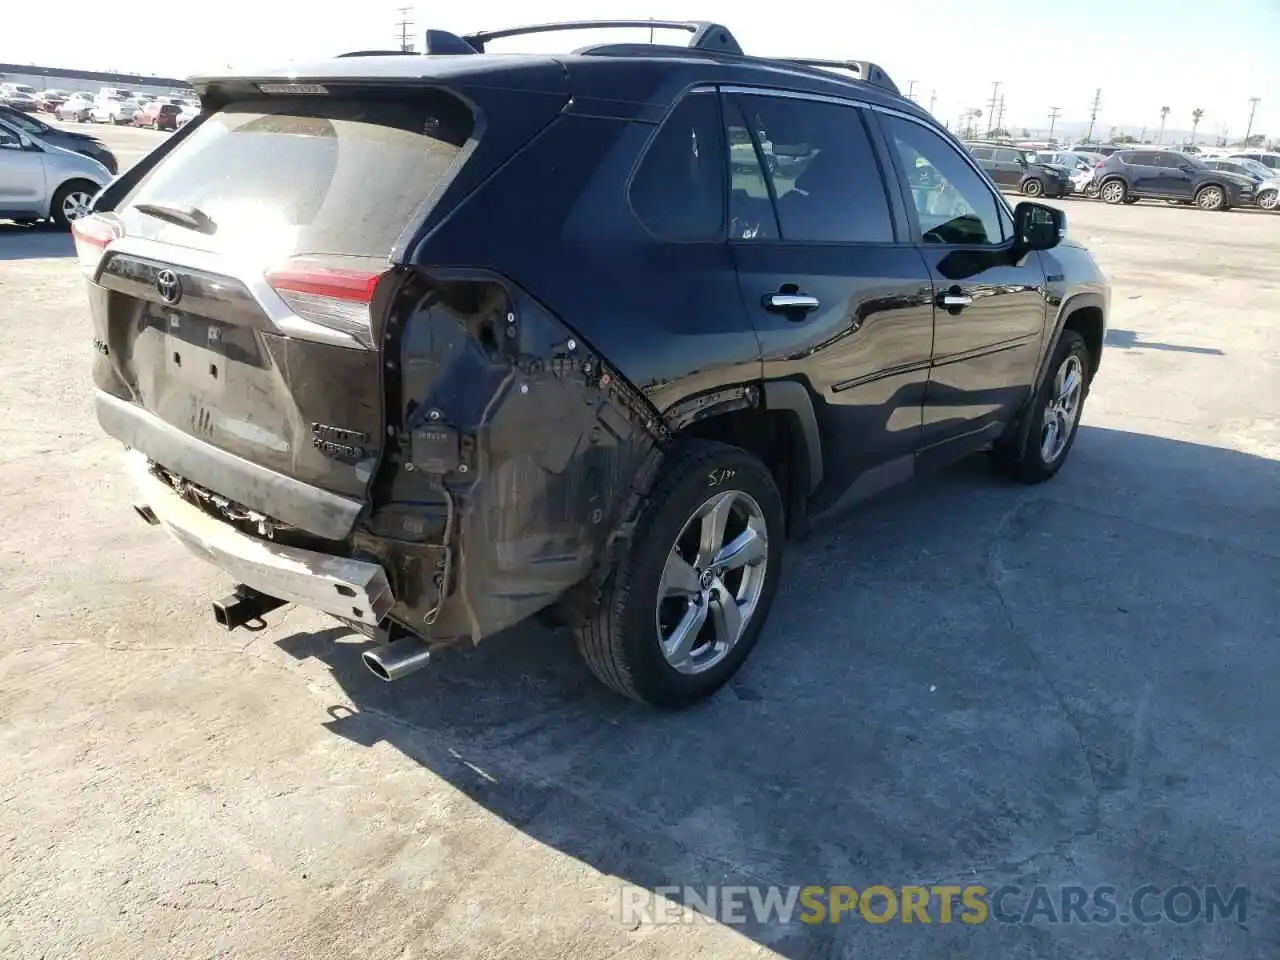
109	105
1127	175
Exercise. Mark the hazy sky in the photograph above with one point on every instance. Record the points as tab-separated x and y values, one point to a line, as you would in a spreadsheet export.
1142	53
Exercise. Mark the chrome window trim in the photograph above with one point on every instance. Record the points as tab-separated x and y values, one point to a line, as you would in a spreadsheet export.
874	108
273	305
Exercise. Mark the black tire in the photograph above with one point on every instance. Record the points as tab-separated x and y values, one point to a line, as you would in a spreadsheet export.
1113	191
1033	187
620	641
1020	455
56	212
1130	200
1211	197
1269	199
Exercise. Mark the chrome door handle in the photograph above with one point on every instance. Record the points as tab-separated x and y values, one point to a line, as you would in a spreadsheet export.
789	302
953	299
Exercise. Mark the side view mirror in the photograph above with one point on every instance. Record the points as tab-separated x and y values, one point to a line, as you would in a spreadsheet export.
1037	226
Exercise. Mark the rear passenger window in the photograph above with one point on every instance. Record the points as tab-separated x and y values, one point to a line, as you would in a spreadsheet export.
679	191
819	160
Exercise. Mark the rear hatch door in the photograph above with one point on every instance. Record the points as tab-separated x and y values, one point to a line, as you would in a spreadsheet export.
246	277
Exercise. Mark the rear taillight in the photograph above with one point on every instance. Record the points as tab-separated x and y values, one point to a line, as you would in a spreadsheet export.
333	297
92	235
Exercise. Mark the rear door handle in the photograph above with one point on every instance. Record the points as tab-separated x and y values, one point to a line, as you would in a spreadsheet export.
790	302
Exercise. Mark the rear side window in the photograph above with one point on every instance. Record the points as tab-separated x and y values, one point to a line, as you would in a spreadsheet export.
679	190
825	177
306	175
981	153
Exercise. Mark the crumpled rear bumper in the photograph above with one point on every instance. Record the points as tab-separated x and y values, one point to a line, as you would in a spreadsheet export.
352	590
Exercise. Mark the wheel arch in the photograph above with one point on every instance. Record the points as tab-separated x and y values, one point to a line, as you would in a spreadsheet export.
776	422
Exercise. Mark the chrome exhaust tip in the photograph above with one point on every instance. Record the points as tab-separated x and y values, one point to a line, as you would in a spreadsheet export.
397	659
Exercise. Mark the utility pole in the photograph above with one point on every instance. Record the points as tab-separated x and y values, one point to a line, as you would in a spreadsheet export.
405	26
1054	113
1000	116
995	99
1093	115
1253	106
933	98
911	90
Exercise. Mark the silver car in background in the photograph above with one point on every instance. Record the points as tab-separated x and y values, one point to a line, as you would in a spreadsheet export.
39	181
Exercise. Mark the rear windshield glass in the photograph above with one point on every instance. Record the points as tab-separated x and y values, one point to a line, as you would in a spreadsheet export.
305	175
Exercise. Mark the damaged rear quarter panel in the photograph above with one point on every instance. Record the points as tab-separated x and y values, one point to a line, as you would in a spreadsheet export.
518	452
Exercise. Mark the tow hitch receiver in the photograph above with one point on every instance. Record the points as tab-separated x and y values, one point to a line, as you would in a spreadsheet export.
243	606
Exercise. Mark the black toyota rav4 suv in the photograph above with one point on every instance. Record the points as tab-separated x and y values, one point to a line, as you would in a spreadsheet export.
435	343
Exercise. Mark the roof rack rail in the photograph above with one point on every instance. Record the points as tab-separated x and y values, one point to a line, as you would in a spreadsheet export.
376	53
706	36
866	70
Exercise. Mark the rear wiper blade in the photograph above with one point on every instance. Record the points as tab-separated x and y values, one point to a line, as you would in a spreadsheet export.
192	218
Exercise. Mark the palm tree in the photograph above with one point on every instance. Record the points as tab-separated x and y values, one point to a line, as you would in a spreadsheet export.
1164	112
1196	116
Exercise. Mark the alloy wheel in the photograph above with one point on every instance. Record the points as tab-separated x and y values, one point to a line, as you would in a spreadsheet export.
1269	200
1210	198
1063	409
712	582
1113	192
1033	188
76	204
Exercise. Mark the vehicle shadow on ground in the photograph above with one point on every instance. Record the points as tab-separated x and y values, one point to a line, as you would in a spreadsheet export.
37	242
1129	340
964	682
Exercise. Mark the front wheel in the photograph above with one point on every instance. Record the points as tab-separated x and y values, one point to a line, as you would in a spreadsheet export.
1032	187
1037	450
686	602
1211	198
1269	199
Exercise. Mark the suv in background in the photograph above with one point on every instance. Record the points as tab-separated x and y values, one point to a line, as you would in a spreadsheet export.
1013	168
1266	189
1265	157
437	343
158	115
1133	175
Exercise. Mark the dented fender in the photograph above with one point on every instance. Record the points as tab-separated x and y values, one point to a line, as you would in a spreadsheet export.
516	456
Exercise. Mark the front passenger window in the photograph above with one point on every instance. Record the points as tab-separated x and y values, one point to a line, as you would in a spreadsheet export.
9	140
953	204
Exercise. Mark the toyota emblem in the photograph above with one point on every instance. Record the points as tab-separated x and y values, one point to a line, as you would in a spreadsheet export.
169	286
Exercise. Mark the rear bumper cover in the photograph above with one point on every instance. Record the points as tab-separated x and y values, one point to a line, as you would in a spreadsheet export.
352	590
291	501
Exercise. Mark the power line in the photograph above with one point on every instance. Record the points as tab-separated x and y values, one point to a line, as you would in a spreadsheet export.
1093	115
1054	113
405	25
1253	107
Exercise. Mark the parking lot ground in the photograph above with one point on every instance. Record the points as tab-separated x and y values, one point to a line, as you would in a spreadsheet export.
965	682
